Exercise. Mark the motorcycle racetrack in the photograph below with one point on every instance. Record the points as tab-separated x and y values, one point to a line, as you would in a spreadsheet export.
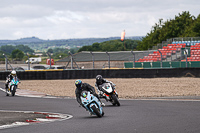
160	115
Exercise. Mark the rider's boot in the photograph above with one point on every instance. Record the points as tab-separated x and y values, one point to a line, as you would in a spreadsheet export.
98	96
6	88
103	104
106	97
90	113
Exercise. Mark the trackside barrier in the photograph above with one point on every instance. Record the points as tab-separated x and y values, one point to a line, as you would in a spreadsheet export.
167	64
107	73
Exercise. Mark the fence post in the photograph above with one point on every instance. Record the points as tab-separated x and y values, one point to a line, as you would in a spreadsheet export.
171	55
160	59
133	59
6	61
49	54
186	58
92	58
108	59
71	60
28	62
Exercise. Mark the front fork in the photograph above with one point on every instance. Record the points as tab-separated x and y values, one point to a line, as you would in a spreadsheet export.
115	92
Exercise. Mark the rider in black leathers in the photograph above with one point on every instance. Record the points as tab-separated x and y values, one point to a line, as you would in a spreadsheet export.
84	87
99	81
9	78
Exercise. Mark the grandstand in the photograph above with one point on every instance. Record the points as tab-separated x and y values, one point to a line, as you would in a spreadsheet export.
172	54
194	53
178	48
165	52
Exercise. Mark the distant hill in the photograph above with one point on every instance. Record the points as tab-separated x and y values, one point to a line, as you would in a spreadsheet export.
22	40
40	45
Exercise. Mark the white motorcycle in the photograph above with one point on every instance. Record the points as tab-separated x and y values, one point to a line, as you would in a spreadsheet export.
110	93
12	86
92	103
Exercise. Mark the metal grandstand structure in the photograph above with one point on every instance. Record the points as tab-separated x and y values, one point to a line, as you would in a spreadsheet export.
102	59
113	59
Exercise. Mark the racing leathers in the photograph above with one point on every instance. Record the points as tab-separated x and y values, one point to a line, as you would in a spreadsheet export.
99	89
8	79
84	87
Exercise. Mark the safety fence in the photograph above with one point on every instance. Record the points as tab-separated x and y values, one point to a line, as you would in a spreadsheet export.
106	73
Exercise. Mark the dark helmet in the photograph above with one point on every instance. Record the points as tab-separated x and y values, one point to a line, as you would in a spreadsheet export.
99	79
78	83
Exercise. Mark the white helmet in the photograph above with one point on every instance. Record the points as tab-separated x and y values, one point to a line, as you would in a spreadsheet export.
13	72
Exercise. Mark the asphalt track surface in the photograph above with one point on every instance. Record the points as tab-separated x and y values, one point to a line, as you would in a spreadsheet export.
133	116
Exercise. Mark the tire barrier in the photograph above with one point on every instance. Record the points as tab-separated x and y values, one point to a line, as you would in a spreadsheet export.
107	73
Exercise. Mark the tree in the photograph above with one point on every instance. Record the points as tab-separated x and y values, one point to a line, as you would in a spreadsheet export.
196	27
181	26
95	46
2	58
25	49
50	50
17	54
20	55
7	49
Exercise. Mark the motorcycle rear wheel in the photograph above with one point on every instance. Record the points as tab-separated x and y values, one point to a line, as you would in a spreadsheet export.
115	99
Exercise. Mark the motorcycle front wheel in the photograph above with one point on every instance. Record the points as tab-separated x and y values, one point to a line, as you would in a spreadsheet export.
14	90
96	111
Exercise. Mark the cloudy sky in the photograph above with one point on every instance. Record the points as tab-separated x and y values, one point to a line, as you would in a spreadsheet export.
65	19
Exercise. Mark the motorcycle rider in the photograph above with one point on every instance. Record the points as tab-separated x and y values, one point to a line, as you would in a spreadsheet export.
12	75
99	81
80	86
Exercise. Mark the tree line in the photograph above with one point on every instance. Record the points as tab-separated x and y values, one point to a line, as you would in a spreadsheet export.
14	52
19	52
112	45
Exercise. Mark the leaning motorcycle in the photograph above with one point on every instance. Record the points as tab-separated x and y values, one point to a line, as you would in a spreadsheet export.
91	103
110	93
12	86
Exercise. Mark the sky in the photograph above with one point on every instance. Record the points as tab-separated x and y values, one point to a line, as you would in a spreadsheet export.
69	19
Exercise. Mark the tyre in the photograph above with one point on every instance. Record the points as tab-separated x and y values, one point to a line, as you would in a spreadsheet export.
102	113
14	90
96	111
115	99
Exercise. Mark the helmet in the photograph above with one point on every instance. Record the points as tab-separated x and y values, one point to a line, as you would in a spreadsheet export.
78	83
99	79
13	73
